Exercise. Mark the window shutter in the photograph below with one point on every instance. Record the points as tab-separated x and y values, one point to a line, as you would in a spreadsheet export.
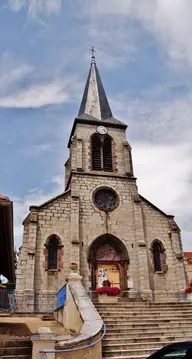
96	153
107	155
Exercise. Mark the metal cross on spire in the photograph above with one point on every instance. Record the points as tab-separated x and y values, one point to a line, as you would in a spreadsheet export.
93	54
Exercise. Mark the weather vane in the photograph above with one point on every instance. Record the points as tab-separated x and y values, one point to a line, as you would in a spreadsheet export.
93	53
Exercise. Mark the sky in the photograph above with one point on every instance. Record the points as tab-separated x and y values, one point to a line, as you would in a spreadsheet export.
144	55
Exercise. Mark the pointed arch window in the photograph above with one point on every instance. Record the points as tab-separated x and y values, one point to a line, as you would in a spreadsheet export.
159	257
102	159
53	245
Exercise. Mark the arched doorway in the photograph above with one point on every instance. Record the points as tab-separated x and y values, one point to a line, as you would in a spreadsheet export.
108	259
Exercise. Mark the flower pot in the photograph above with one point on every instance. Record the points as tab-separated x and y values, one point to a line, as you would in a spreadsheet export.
189	297
104	298
74	267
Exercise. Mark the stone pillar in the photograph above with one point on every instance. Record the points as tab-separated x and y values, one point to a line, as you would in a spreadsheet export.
73	153
128	159
142	250
30	268
79	154
75	242
178	257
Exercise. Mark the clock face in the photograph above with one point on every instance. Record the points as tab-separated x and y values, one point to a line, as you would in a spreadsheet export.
106	199
101	130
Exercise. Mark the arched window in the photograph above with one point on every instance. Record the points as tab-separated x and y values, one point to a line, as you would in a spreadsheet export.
53	245
157	257
102	153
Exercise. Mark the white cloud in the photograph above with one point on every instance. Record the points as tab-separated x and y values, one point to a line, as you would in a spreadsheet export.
36	7
17	5
36	92
164	177
21	206
37	95
12	72
36	150
169	21
162	162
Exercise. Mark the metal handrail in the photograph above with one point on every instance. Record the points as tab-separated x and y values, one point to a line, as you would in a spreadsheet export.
76	349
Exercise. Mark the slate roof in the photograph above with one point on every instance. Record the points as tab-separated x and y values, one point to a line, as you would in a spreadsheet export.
94	106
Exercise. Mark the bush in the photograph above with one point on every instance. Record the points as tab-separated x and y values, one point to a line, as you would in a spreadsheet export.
9	285
110	291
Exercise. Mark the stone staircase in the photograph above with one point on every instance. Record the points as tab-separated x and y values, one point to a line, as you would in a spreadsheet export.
136	330
15	348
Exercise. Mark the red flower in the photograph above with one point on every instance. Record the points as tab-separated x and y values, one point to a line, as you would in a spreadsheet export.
73	263
189	288
110	291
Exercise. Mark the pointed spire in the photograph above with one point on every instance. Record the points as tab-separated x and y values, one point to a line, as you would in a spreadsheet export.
94	102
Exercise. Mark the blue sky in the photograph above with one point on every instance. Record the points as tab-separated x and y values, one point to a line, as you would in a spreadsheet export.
144	55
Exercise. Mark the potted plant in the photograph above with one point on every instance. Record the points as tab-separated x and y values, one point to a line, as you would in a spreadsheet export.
108	294
73	266
188	291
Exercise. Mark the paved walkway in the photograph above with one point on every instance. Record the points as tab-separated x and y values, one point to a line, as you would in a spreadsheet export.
32	325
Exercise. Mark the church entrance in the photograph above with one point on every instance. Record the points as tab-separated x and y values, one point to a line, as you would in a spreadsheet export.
108	259
107	271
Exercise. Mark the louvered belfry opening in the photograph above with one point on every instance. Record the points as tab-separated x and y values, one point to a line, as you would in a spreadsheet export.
107	154
102	153
96	153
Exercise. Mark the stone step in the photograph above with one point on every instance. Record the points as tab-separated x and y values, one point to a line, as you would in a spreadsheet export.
140	308
147	309
136	330
48	317
144	333
145	326
120	346
17	351
127	357
123	352
141	319
145	305
147	339
7	343
145	313
146	320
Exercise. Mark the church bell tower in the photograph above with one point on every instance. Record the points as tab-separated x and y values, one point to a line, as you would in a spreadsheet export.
97	142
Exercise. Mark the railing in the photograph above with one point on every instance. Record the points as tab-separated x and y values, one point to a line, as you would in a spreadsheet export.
6	298
61	297
91	345
39	303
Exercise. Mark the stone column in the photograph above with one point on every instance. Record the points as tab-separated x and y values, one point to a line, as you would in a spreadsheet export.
142	251
178	258
75	242
128	159
79	154
30	268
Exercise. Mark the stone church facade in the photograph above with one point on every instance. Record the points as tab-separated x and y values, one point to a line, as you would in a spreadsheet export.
100	221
